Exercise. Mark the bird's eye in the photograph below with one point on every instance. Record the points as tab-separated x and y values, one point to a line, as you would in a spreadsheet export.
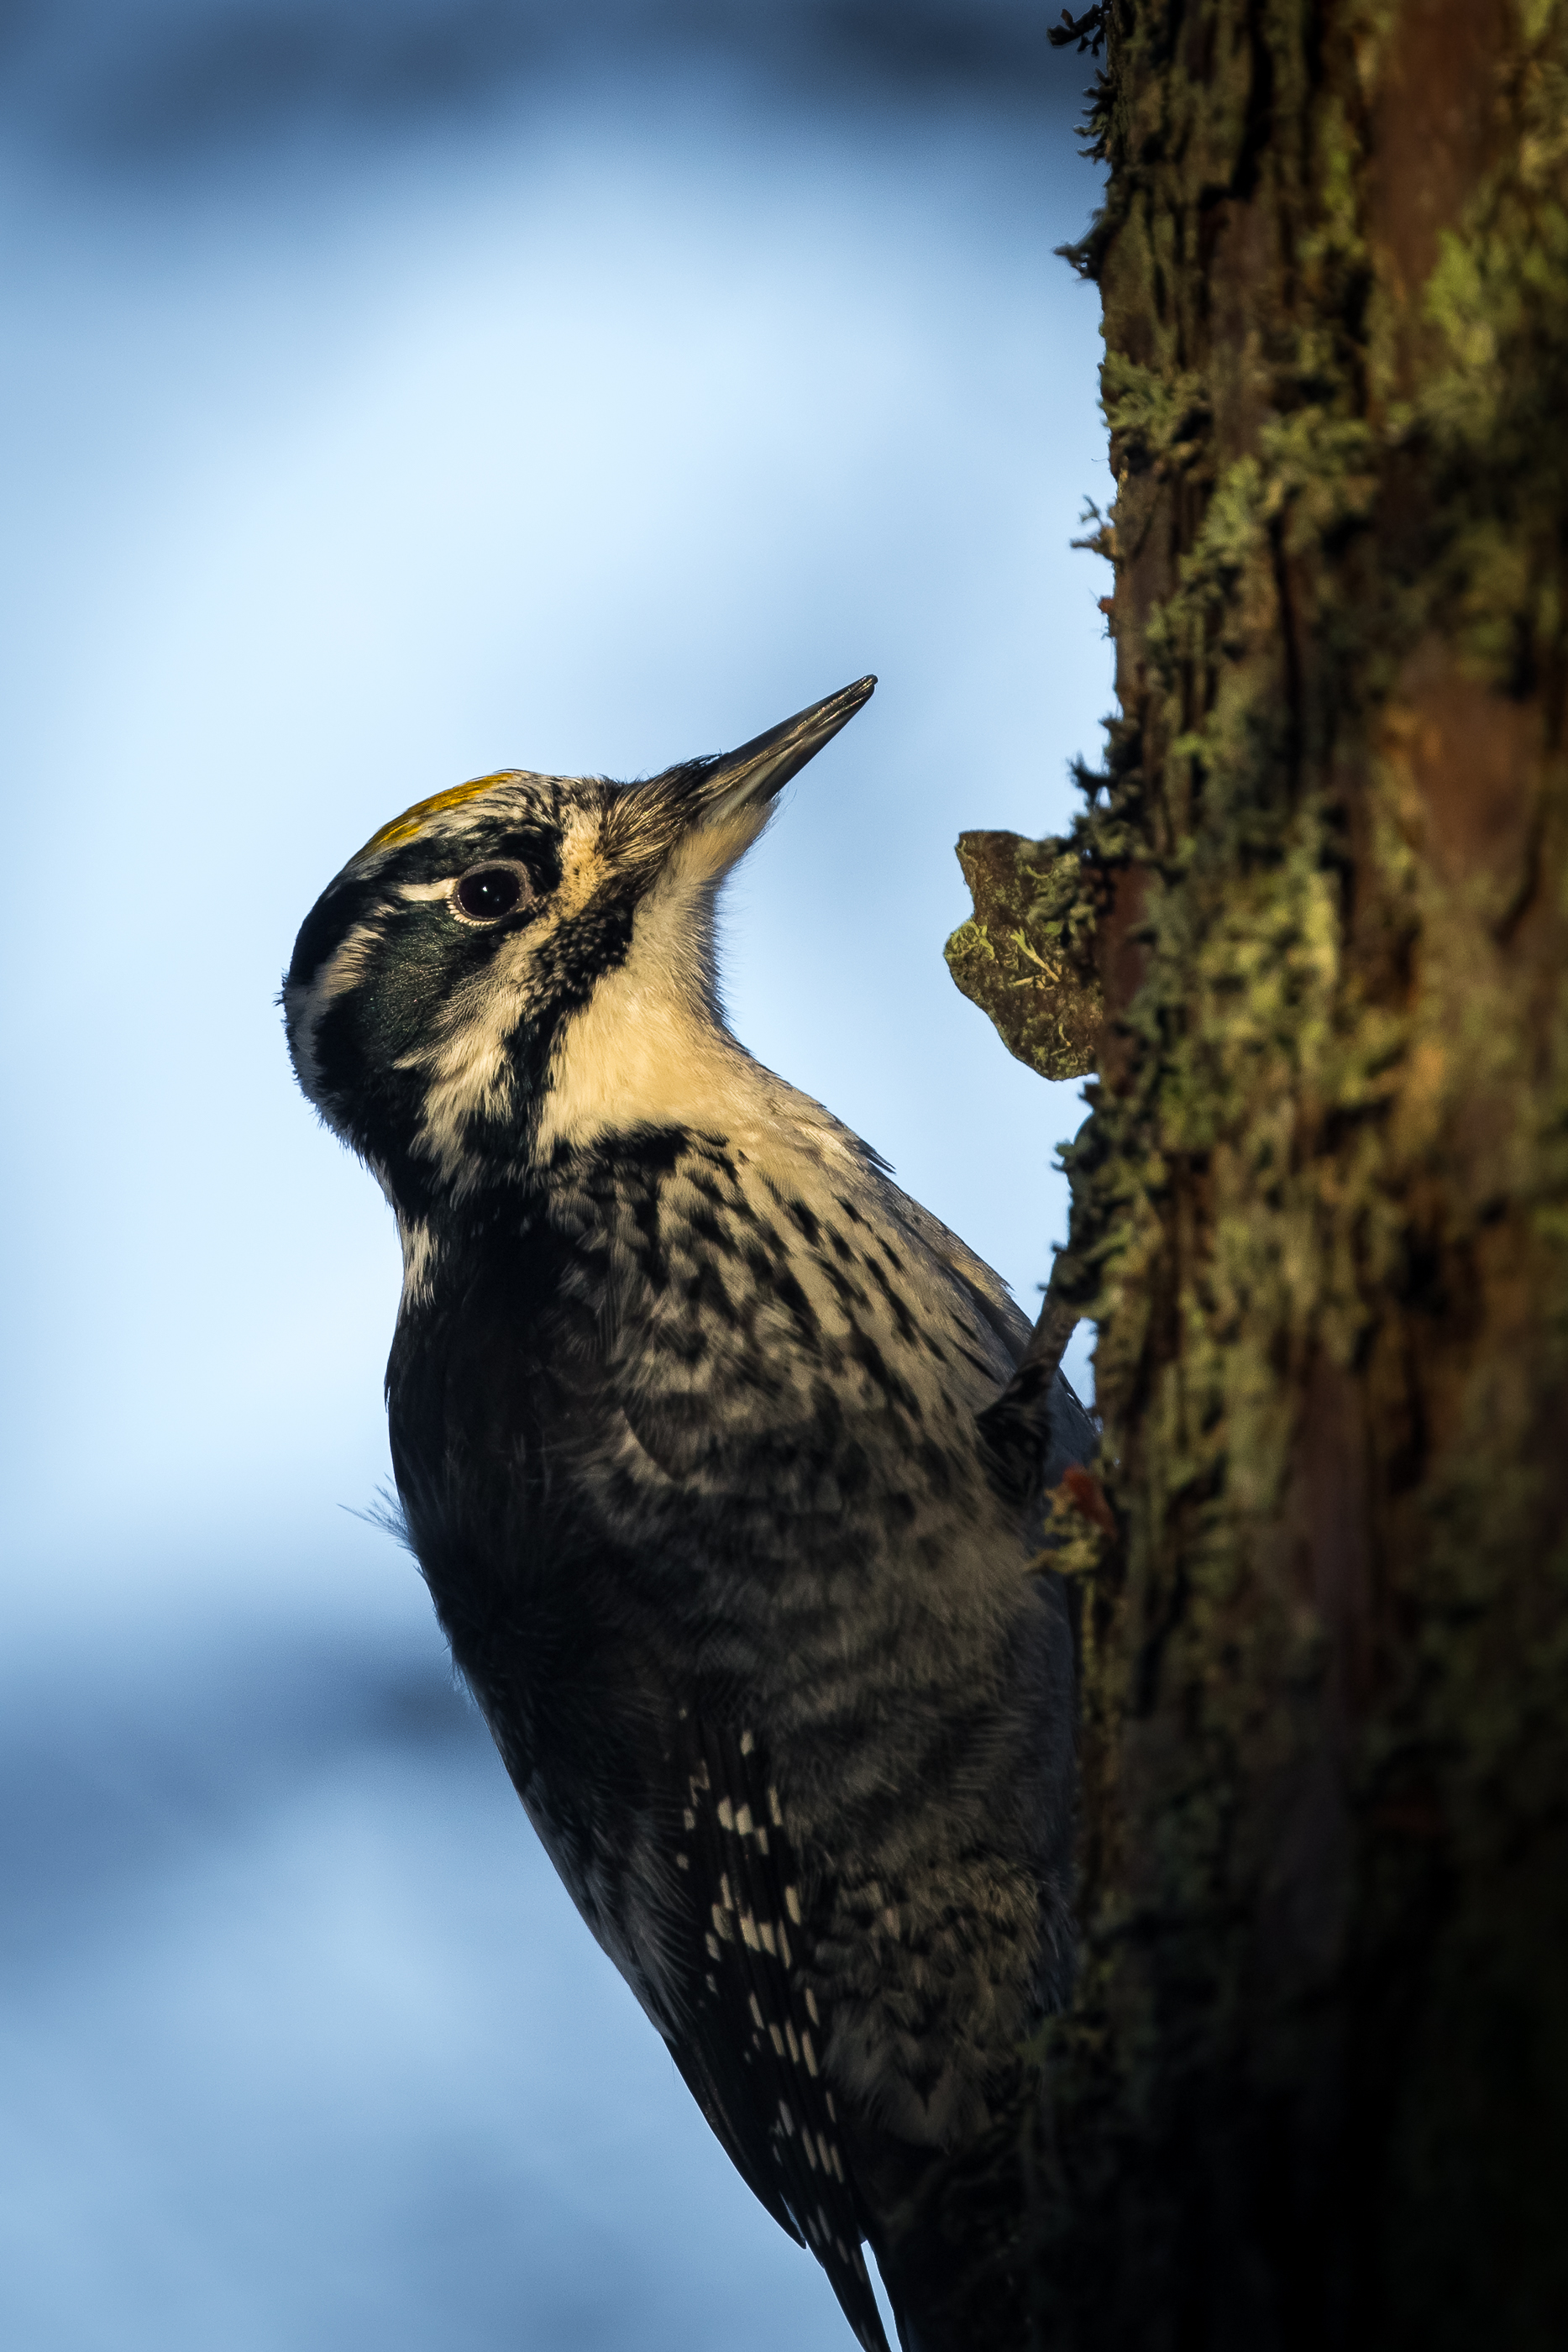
489	892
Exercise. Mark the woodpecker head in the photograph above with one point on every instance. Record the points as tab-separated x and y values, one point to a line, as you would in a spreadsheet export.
525	961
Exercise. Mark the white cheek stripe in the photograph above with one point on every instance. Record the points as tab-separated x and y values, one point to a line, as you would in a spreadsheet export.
346	963
467	1071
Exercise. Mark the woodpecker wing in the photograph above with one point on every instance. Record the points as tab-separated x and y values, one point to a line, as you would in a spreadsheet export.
753	2059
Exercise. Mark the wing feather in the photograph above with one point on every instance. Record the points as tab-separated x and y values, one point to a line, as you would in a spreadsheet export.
758	2034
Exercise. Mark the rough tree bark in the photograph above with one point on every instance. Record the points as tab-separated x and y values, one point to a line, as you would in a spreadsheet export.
1314	2088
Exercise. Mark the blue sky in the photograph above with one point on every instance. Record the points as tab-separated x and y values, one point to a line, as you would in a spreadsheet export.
581	413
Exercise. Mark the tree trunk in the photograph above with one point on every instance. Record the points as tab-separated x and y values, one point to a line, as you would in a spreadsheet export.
1313	2089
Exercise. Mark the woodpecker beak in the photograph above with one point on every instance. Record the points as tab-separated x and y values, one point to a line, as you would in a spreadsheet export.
743	780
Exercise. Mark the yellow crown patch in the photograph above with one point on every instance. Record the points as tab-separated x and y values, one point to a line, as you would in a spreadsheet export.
414	820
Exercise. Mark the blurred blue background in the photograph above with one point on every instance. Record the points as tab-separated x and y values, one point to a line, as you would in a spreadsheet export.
392	393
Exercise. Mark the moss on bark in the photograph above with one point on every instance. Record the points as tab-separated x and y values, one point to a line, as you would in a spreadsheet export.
1314	2083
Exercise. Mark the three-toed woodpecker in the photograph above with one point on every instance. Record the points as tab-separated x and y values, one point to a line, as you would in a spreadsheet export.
710	1444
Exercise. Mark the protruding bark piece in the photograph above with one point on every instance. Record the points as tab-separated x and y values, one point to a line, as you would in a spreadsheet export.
1019	957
